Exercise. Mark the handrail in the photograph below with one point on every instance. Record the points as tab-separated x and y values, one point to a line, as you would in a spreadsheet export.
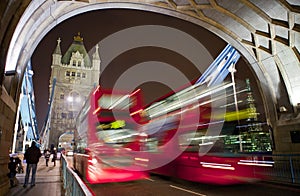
73	184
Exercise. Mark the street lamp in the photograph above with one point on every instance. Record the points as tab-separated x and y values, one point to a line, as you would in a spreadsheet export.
70	99
74	105
232	70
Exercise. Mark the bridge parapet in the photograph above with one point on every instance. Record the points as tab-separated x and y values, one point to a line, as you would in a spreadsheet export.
73	184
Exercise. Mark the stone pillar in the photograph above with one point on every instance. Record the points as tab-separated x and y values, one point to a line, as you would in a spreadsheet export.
7	121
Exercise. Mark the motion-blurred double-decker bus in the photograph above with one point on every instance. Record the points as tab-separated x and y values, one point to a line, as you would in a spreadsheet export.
107	123
206	135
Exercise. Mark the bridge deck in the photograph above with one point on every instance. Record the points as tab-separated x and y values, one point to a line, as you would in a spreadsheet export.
48	181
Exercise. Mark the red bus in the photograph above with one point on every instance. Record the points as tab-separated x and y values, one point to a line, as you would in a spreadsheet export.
193	135
107	123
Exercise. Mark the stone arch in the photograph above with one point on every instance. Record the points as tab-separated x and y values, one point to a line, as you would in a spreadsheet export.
55	12
269	46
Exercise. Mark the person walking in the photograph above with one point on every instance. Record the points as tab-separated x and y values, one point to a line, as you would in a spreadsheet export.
19	165
12	166
32	156
54	156
47	156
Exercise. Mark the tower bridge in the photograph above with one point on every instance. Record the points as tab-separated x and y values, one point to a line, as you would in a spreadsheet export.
265	33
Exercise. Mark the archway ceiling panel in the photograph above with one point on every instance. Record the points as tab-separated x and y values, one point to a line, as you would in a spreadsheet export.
267	33
265	28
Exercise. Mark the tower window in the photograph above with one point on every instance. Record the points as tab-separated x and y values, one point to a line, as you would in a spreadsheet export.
73	73
74	63
62	96
78	74
67	73
79	63
70	115
83	75
63	115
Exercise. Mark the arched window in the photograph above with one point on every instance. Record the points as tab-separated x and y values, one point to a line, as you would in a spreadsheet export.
74	63
63	115
79	63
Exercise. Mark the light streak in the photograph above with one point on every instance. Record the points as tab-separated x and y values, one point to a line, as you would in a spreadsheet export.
118	102
136	112
257	163
217	165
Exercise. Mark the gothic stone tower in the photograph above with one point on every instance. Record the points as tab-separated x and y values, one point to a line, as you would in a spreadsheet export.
76	74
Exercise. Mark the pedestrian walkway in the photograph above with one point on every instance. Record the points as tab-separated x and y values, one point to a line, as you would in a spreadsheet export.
47	182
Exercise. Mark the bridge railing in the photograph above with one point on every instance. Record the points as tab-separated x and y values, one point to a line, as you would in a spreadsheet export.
286	169
73	185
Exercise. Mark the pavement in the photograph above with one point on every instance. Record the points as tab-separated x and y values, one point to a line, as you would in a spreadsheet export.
47	182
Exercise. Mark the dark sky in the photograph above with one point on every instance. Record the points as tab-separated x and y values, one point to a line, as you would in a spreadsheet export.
95	26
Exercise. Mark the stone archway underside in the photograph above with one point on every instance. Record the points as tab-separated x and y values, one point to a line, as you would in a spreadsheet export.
266	33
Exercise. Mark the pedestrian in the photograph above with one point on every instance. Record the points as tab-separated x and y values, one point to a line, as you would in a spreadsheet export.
12	166
47	156
19	164
32	156
54	156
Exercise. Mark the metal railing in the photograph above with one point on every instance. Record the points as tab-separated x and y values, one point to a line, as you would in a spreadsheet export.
286	169
73	185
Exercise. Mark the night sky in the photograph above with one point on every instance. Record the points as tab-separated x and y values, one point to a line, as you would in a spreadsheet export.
107	22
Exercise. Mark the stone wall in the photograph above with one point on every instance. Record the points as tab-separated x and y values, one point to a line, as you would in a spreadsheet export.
286	124
7	121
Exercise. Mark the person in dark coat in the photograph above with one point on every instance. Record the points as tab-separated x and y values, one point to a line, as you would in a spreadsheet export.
54	156
19	165
12	166
47	156
32	156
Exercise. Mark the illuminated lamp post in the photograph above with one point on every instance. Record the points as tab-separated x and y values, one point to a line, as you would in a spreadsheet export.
70	100
232	70
74	102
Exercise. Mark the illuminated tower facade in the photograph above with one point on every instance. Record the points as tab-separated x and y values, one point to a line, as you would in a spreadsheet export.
75	74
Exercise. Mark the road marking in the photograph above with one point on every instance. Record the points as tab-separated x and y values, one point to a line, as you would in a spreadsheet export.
182	189
150	179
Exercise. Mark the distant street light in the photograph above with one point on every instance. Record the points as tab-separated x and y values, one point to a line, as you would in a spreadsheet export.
70	99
